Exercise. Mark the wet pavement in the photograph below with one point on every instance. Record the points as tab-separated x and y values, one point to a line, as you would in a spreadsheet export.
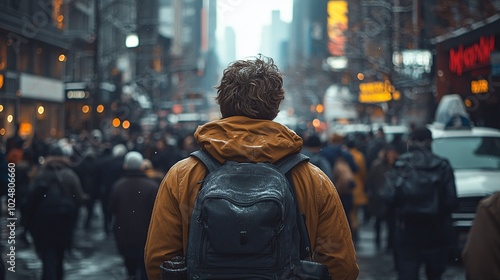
377	264
94	257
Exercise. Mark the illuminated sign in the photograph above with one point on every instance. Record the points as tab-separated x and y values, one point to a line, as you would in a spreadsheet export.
467	58
412	63
337	27
480	86
1	81
377	92
77	94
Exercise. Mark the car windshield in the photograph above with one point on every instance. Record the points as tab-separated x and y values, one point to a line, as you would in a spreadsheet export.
470	152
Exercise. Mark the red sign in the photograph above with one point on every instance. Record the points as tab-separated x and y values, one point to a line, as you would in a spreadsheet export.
468	58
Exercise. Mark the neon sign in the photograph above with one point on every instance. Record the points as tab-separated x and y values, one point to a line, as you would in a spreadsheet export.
480	86
467	58
376	92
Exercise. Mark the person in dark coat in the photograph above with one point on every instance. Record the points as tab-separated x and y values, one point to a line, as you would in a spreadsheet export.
53	201
312	149
375	146
164	155
86	168
377	207
423	226
109	170
131	203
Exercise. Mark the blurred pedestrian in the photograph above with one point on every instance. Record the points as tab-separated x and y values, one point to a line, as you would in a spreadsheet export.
481	254
399	143
4	186
14	139
188	145
25	171
164	155
312	149
16	151
86	170
343	168
359	194
421	187
53	201
343	179
108	170
377	206
151	172
375	146
131	203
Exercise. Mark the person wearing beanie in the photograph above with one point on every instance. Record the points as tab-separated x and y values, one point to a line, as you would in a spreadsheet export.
131	204
421	190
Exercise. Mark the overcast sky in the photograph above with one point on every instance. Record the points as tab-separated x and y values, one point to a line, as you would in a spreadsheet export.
248	18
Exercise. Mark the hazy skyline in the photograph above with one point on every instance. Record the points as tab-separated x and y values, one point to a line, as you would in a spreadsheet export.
247	18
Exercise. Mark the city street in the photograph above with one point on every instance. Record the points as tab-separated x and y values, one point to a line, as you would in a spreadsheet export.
94	257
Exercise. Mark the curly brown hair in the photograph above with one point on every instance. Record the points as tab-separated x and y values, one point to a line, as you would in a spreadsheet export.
251	88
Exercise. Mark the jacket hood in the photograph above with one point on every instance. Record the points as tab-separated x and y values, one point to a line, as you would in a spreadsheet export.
244	139
492	204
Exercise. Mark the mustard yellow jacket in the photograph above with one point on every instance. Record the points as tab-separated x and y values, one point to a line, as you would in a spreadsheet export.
249	140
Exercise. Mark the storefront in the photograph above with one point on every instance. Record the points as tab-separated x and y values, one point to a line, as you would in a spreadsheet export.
78	107
467	64
41	106
9	105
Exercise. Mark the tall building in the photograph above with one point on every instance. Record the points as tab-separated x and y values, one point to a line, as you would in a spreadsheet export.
275	39
33	62
101	63
307	49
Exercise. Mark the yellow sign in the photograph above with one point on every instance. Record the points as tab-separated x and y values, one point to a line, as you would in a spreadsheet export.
337	27
1	80
480	86
375	92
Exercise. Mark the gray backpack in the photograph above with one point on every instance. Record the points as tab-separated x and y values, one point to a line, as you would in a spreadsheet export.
245	222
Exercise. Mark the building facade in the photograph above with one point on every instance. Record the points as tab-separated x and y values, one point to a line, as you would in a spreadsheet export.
468	64
33	58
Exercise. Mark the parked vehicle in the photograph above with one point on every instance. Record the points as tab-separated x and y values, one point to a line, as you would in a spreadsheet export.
474	154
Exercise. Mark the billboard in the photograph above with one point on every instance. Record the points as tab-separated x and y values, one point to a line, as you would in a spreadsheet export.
337	27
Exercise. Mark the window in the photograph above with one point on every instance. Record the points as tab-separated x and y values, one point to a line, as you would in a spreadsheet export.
470	152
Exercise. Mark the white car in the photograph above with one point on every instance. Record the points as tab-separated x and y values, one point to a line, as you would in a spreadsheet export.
474	154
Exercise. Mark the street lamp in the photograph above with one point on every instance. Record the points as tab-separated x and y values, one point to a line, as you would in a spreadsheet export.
132	41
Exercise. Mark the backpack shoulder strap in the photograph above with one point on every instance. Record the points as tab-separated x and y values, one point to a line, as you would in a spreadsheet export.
207	159
287	163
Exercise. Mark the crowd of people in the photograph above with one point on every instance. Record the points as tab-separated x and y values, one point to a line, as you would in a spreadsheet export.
147	192
98	167
92	173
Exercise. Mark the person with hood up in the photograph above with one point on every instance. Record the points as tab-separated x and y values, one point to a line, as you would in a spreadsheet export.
249	96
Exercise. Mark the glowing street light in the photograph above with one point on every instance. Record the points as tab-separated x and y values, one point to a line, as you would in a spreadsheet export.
132	41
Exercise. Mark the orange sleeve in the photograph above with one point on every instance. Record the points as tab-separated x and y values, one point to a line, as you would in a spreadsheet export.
168	229
329	232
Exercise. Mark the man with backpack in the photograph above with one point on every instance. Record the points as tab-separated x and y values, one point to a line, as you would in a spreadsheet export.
421	188
52	210
220	236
